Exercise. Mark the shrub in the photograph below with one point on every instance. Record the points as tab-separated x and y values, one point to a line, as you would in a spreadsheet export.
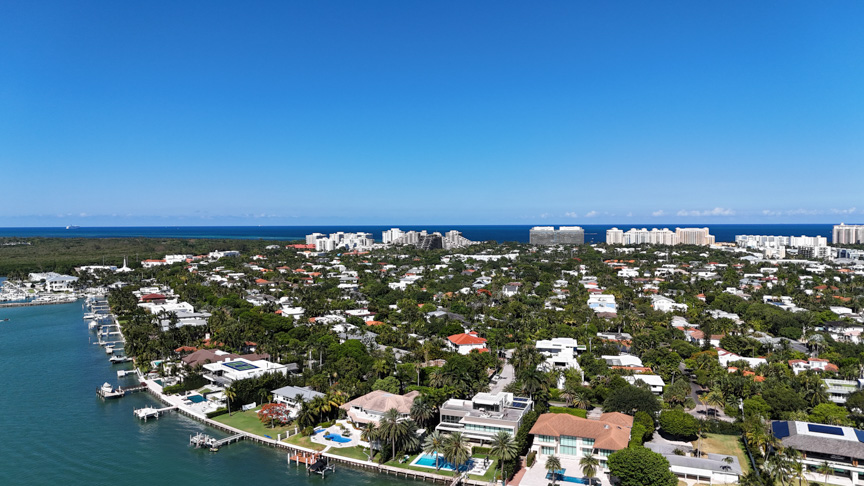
570	411
477	450
679	424
721	427
307	431
532	456
637	434
217	412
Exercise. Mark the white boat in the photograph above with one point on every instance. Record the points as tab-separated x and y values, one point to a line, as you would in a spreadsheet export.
92	325
107	391
109	350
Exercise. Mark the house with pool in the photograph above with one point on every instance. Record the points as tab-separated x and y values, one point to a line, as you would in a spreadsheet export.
569	438
483	416
370	408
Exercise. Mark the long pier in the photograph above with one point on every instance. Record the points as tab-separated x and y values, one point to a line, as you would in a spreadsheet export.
34	303
147	412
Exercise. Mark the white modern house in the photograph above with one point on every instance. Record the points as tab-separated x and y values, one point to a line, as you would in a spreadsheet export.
230	370
654	382
483	416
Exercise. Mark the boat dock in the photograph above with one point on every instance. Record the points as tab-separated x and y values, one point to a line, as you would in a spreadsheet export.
33	303
148	412
106	391
203	440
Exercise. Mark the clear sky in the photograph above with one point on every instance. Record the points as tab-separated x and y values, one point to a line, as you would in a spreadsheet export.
120	113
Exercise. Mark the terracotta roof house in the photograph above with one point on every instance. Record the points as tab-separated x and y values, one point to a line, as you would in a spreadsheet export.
466	342
568	436
371	407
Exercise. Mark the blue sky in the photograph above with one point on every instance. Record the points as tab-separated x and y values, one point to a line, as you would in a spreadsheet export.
378	112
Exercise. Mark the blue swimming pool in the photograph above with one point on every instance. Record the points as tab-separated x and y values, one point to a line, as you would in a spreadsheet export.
567	479
428	460
337	438
196	398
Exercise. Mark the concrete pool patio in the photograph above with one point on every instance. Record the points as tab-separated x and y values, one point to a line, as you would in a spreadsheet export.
336	429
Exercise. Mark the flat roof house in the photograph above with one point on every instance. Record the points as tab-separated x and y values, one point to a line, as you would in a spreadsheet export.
225	372
480	418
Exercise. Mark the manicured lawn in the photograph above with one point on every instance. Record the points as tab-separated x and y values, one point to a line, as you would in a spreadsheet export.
355	452
300	440
407	465
727	445
248	421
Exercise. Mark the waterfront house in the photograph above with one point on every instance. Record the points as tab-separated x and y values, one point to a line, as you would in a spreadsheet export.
230	370
486	414
568	436
370	408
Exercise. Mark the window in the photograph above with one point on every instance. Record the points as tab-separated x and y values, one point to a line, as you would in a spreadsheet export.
450	419
570	451
587	442
547	451
545	438
567	440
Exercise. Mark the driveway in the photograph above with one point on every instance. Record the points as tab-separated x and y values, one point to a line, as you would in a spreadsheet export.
505	377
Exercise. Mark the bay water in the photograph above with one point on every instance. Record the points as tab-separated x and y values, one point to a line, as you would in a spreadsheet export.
55	430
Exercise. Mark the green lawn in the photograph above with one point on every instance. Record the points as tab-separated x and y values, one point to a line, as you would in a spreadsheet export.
248	421
727	445
301	441
407	465
355	452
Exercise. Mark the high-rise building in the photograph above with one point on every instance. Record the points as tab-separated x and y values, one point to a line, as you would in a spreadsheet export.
548	235
848	234
614	236
694	236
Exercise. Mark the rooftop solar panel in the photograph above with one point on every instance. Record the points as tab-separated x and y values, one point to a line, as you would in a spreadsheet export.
860	435
781	429
824	429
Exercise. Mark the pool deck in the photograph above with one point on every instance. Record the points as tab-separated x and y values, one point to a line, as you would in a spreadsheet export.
337	430
536	475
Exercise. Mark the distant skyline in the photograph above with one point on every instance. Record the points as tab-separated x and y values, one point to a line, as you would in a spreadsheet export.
387	112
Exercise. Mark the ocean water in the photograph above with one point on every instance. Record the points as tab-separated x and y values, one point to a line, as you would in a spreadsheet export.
55	430
501	233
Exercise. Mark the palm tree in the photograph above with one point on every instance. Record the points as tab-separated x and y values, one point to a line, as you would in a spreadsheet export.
230	396
456	450
433	444
581	400
503	447
422	411
589	465
715	399
437	379
553	465
371	433
798	469
825	469
392	430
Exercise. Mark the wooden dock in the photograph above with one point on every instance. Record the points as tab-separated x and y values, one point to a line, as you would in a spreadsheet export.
150	412
200	440
34	303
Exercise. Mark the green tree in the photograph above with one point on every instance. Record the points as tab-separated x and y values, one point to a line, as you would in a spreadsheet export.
553	465
825	469
393	429
679	424
503	448
638	466
456	450
630	399
829	413
589	465
433	444
230	395
422	411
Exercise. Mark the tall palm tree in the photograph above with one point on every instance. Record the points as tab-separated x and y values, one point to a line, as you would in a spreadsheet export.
437	378
456	450
230	396
392	429
553	465
798	469
589	465
503	447
422	411
371	433
825	469
433	445
581	400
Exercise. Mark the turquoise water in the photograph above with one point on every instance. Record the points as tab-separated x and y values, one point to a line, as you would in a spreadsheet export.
55	430
338	438
428	460
567	479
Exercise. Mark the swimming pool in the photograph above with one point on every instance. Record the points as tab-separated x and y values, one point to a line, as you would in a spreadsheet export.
195	398
428	460
567	479
337	438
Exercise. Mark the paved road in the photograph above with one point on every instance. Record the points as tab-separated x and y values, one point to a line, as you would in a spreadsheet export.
701	411
505	377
